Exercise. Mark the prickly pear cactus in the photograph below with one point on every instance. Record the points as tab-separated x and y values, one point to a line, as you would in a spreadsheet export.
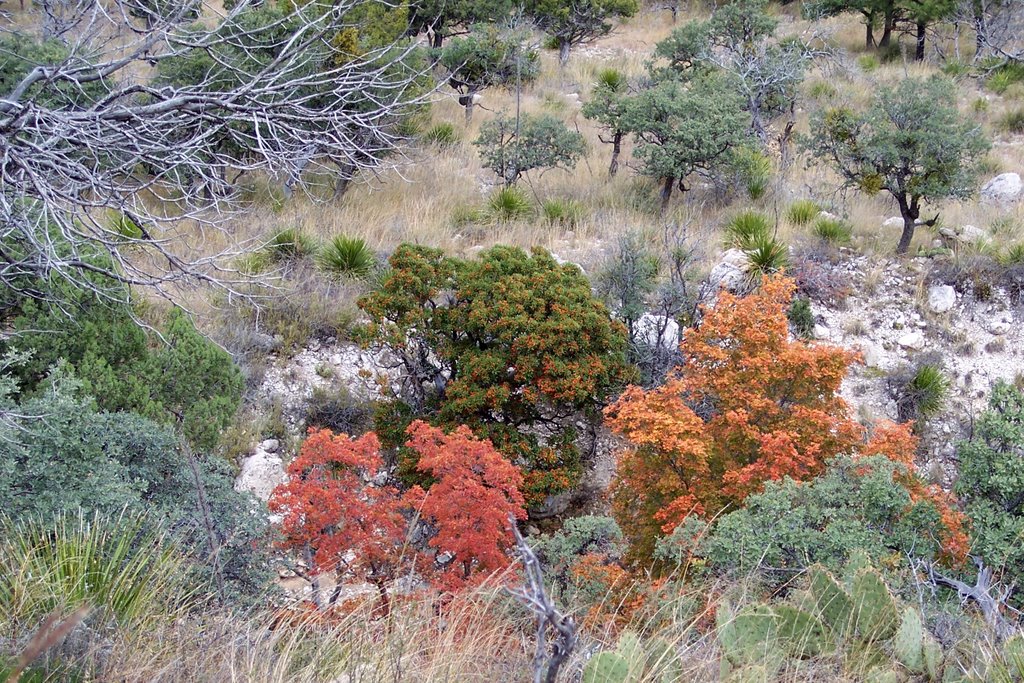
751	673
749	635
933	657
801	633
874	608
908	643
881	675
606	667
831	601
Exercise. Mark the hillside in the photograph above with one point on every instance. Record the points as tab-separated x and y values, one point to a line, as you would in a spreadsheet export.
576	340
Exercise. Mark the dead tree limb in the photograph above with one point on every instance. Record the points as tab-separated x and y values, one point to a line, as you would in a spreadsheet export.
546	662
983	593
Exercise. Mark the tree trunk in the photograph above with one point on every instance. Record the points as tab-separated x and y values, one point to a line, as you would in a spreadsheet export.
919	52
910	213
980	29
666	193
613	167
563	52
869	35
467	102
890	20
437	39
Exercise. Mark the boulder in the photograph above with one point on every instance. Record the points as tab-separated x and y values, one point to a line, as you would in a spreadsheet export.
941	298
894	222
261	472
657	331
968	234
871	354
912	340
1004	188
822	332
728	277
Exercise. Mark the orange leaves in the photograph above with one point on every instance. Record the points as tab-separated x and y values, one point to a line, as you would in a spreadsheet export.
746	405
469	505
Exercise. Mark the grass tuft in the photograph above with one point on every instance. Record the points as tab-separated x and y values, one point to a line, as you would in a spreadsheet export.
832	230
291	244
802	211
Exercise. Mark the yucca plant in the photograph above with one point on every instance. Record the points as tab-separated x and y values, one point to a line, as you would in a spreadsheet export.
755	171
443	135
1013	256
509	204
746	229
291	244
611	79
767	255
802	211
347	256
119	566
564	212
832	230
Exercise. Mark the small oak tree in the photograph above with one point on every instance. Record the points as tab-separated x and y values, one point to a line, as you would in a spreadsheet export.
571	23
475	492
911	142
512	148
685	128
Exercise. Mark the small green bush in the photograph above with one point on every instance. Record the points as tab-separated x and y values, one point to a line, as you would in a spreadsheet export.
867	63
889	53
463	215
347	257
509	204
822	90
443	135
1013	255
955	68
1013	121
832	230
802	211
1005	76
566	213
980	105
291	244
767	255
755	171
801	317
124	226
746	229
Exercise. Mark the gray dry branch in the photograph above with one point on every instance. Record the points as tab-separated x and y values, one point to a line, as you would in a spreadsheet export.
111	172
546	661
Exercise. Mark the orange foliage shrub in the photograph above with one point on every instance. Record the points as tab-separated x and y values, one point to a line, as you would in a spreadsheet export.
475	492
746	405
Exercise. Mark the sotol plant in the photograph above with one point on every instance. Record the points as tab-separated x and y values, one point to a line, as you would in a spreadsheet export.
347	256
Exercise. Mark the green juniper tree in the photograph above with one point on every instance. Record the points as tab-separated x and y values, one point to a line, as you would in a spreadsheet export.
512	148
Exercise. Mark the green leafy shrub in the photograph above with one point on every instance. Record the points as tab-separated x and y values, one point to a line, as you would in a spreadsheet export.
442	135
822	90
991	479
509	204
832	230
955	68
79	459
857	505
566	213
291	244
746	229
802	211
347	256
579	536
179	378
801	317
476	319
